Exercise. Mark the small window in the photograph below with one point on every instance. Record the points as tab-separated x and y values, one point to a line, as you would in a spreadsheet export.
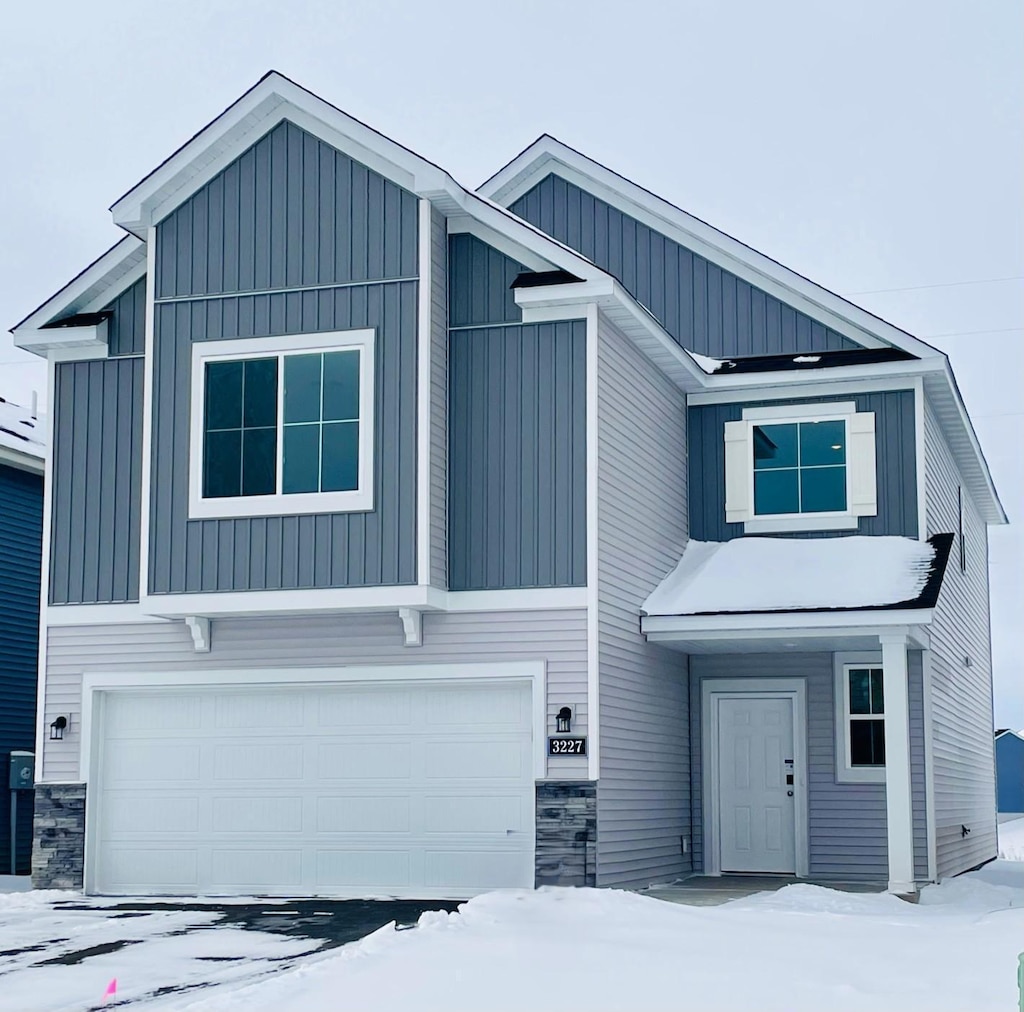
860	719
285	431
800	467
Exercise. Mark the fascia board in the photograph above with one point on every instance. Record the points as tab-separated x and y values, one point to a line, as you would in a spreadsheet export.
548	155
33	460
69	343
804	623
122	264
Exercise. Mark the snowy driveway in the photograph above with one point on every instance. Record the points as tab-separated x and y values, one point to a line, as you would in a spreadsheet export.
58	952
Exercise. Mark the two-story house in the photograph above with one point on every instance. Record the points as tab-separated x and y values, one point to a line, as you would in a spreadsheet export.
412	540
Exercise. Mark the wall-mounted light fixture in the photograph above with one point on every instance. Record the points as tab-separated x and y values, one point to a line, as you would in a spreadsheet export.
57	728
564	721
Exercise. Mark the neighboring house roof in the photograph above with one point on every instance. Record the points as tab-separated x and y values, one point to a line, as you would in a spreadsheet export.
1007	730
22	436
768	575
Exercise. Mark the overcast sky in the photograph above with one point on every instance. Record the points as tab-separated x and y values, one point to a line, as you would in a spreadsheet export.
875	147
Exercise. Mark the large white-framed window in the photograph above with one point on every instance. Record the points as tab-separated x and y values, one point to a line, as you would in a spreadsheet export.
800	467
860	718
282	425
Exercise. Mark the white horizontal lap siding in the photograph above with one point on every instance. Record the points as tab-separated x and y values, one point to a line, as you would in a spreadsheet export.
438	400
962	746
643	790
559	638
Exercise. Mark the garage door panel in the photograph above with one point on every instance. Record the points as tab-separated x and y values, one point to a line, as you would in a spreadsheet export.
374	869
142	869
149	712
350	801
271	712
148	762
131	813
258	762
370	710
254	868
353	814
368	760
256	815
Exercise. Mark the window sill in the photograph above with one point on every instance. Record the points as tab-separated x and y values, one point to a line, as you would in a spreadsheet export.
861	775
796	523
244	507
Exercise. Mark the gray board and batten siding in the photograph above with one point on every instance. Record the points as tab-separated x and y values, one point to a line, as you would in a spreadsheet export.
438	399
97	465
895	463
847	832
644	786
705	308
516	433
558	638
963	758
293	237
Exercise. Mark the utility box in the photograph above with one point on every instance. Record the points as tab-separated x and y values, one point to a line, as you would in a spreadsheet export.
23	766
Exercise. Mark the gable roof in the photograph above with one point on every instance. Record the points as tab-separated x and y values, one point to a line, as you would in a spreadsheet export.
22	436
548	155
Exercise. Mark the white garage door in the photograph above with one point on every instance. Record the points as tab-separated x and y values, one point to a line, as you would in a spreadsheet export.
414	790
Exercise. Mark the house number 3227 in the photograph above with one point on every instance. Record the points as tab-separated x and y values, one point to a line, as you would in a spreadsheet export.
567	746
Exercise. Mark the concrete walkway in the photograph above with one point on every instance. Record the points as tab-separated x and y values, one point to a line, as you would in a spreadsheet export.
711	891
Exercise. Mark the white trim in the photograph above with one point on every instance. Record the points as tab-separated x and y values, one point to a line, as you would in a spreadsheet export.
790	523
841	663
798	622
89	290
86	341
42	737
62	615
899	810
548	155
712	689
593	547
424	349
465	224
89	353
147	414
344	599
33	462
817	412
929	764
97	685
795	386
412	626
281	504
920	465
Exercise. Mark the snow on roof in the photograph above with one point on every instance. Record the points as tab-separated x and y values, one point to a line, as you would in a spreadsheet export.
20	431
785	574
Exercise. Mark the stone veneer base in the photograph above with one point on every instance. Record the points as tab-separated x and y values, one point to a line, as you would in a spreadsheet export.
58	848
566	833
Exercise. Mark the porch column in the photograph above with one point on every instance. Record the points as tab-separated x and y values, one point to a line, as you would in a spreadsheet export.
898	804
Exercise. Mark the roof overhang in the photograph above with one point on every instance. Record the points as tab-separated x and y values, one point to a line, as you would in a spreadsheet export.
807	631
30	459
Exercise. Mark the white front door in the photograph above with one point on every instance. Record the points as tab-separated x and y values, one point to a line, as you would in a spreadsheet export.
757	809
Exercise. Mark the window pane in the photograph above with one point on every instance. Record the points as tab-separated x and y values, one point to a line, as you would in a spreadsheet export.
774	446
341	457
877	700
775	492
259	461
860	690
302	388
222	464
822	489
341	385
260	392
822	443
223	395
301	459
867	743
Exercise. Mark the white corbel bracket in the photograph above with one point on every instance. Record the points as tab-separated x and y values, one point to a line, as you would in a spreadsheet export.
199	627
412	624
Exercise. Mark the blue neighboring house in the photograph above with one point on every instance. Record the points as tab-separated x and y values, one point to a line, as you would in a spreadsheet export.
22	453
1009	771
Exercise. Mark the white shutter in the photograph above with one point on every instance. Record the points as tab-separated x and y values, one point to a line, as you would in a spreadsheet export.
738	466
860	459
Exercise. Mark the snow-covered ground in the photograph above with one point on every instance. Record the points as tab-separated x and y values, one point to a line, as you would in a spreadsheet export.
801	948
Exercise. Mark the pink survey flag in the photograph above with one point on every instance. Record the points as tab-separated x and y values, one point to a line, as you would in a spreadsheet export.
111	989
